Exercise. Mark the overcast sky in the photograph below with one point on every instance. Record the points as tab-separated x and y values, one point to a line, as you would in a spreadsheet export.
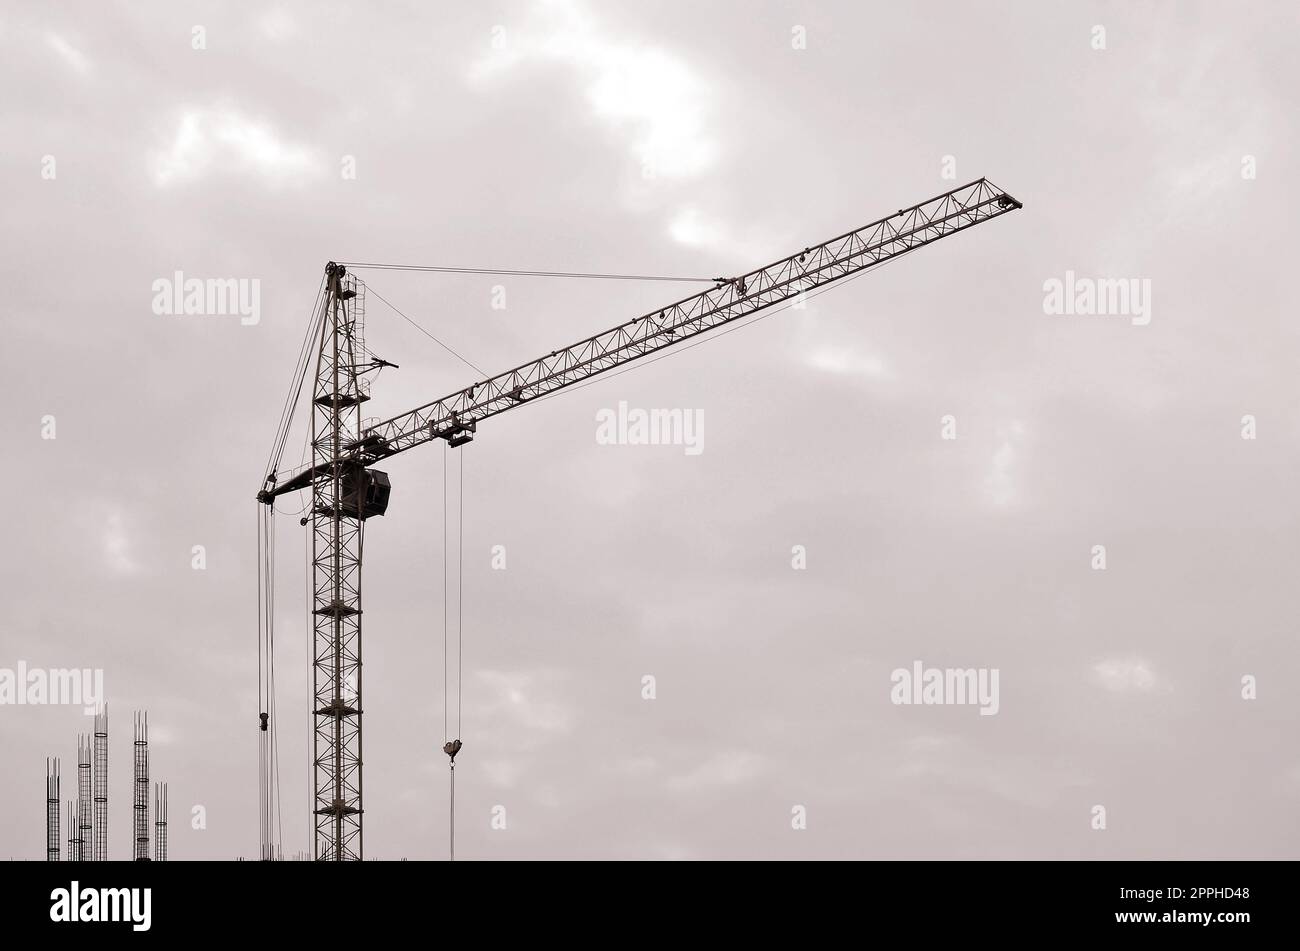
676	139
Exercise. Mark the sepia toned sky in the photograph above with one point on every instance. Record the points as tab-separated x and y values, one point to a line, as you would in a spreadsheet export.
694	140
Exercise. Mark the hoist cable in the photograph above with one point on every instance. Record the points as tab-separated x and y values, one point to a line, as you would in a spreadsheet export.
267	702
460	596
264	750
261	744
270	811
444	592
295	384
274	738
261	519
310	690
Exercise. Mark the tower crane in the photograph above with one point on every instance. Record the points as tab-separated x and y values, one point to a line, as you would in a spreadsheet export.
347	489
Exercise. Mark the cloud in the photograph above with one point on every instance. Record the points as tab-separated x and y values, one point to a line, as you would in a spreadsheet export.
695	229
223	138
116	546
656	103
72	57
522	696
729	768
277	24
161	735
502	773
1000	483
638	766
1125	675
844	362
661	110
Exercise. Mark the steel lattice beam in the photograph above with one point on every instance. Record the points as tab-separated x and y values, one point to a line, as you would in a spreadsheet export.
336	577
732	299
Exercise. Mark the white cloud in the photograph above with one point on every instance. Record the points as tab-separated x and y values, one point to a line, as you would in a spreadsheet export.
927	743
847	363
161	735
637	766
694	230
116	545
654	101
722	769
1000	482
72	57
521	695
1124	675
502	773
276	24
223	138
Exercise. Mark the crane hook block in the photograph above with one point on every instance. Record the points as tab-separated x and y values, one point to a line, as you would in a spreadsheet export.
451	748
264	717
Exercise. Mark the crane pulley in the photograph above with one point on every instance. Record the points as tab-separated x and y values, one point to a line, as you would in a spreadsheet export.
347	490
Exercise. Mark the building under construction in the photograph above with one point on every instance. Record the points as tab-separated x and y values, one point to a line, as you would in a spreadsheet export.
87	815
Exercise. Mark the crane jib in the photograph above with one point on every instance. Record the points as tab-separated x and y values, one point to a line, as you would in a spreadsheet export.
455	417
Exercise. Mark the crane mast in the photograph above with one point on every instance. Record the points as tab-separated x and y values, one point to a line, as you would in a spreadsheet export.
338	520
346	490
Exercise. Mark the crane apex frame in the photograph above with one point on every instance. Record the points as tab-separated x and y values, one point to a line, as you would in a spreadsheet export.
346	490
